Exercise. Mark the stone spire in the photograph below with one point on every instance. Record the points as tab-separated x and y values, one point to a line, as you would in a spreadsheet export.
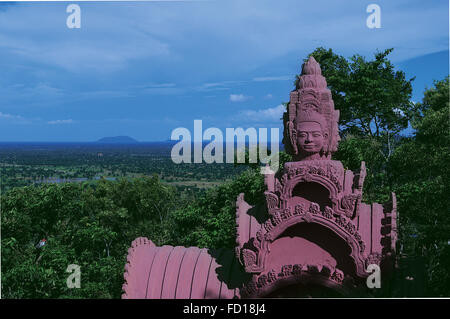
311	122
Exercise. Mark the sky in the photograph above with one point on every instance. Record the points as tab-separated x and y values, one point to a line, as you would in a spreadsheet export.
144	69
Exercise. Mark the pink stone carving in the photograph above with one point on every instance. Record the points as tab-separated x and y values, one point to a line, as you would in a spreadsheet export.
318	230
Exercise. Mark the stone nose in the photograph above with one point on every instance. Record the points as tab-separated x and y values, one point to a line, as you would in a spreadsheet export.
308	138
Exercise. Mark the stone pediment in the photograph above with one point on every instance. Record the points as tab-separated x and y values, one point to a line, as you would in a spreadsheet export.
255	251
344	194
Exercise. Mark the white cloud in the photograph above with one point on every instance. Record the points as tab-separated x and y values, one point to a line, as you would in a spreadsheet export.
273	78
273	114
106	42
217	86
9	116
69	121
16	119
113	35
238	98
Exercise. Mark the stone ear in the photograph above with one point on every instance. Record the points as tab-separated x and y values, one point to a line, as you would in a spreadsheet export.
293	137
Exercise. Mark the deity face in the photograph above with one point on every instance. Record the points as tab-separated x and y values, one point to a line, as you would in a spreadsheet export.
310	138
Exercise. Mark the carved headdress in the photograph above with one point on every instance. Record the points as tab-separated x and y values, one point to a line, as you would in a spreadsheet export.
311	102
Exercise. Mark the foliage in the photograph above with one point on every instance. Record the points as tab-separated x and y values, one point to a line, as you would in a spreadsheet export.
91	225
372	97
210	221
421	178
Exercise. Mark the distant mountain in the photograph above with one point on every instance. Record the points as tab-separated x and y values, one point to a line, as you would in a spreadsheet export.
118	140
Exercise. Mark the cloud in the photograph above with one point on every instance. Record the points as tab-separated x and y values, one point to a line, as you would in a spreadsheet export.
55	122
217	86
105	43
15	119
238	98
273	78
265	115
9	116
114	36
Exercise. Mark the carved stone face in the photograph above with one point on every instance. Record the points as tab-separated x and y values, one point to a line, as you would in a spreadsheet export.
310	138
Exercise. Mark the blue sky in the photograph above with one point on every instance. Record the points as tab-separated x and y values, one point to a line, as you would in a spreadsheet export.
143	69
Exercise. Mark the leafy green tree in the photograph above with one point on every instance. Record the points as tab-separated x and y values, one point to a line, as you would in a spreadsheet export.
210	221
373	98
421	178
88	224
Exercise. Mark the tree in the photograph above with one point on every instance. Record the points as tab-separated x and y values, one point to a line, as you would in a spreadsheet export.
210	221
372	97
421	178
88	224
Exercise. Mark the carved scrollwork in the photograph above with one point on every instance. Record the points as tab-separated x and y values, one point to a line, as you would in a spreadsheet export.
272	201
268	226
341	221
253	257
271	276
299	210
314	208
337	276
286	271
262	282
249	258
348	204
297	269
276	218
251	288
286	213
328	212
374	258
350	228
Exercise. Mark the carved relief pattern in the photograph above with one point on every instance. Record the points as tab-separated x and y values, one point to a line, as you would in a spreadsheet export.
250	258
272	201
325	170
348	203
263	281
374	258
337	276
